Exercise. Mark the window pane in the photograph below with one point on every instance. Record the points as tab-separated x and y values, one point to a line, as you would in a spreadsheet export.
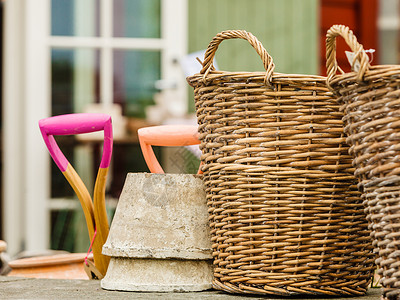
135	73
75	17
62	81
137	18
74	84
74	79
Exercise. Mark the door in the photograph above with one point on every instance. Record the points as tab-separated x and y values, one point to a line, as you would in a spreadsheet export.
359	15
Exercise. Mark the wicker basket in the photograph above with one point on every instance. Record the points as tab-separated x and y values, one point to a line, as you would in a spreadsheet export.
285	214
370	100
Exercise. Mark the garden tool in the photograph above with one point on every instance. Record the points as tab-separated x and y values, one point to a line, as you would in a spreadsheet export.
159	238
95	212
165	135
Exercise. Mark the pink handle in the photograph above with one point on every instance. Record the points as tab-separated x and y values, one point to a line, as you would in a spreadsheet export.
165	135
76	124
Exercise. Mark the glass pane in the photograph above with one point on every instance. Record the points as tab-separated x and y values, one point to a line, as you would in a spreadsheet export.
61	81
74	84
135	73
137	18
74	79
75	17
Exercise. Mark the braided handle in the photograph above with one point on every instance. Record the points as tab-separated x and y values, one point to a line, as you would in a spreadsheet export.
269	66
351	40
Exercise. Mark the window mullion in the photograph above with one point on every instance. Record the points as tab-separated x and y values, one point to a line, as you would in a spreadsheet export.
106	62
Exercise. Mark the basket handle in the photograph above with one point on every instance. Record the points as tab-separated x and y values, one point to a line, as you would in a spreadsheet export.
165	135
237	34
351	40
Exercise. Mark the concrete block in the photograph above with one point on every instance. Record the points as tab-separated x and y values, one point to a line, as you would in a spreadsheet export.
159	238
157	275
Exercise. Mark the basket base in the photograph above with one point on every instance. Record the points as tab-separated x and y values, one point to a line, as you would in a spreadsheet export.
304	291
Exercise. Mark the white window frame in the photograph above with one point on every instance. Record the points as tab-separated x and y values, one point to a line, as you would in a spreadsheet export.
27	98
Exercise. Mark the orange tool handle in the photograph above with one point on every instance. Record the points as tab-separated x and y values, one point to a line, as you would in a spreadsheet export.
165	135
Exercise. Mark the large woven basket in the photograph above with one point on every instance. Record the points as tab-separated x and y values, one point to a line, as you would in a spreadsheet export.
370	101
285	214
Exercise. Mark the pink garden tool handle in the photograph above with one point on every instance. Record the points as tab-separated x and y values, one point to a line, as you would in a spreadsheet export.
165	135
95	212
76	124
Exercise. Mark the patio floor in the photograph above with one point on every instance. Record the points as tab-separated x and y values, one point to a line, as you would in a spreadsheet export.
27	288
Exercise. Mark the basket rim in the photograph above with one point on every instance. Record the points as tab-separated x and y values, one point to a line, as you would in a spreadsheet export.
247	74
374	72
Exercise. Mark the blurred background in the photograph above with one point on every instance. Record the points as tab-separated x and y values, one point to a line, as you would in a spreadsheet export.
129	58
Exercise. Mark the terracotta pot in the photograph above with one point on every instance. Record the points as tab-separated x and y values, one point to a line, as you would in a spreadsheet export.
3	246
60	266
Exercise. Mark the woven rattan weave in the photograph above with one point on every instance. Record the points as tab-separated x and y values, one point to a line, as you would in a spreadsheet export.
371	106
285	214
